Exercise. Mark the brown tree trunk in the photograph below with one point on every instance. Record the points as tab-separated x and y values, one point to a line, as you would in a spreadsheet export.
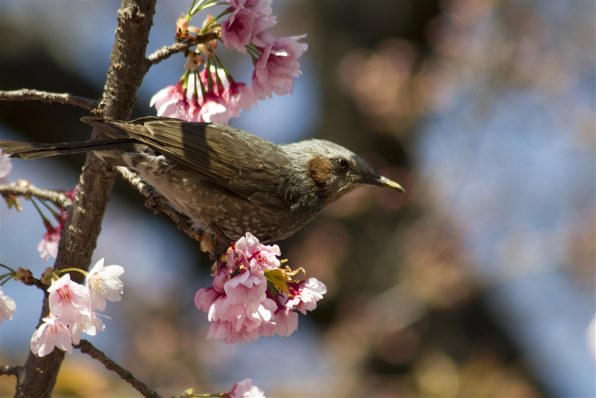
126	71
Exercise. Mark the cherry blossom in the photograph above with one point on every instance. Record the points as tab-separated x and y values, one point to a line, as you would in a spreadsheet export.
213	110
252	296
306	294
52	333
247	24
48	246
304	297
238	97
245	389
171	102
90	323
104	284
237	304
277	67
7	307
69	300
73	308
286	322
259	7
248	251
241	312
207	92
238	30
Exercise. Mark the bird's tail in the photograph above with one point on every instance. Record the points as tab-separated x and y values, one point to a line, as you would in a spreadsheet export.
31	150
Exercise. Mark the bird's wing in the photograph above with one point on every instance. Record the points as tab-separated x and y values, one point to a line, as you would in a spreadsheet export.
249	166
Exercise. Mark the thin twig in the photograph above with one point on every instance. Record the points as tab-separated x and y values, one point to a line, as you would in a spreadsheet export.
87	348
158	203
167	51
58	198
26	276
7	370
26	94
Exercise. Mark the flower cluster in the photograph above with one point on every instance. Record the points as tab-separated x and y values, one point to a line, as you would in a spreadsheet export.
252	295
207	92
48	246
74	308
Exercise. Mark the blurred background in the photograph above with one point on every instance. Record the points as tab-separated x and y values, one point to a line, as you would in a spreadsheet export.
479	282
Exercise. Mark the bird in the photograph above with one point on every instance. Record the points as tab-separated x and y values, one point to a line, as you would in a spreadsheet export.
226	181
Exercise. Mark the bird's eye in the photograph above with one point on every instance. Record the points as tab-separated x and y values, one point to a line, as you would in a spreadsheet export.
342	164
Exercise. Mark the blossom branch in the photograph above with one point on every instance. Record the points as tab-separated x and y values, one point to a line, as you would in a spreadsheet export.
26	94
158	203
167	51
7	370
59	199
87	348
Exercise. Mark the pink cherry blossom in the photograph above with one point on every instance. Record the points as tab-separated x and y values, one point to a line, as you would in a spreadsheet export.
210	96
50	334
204	298
171	102
248	251
90	323
277	67
213	110
241	312
245	389
237	305
248	24
259	7
104	284
5	168
306	295
246	287
238	30
48	246
238	97
286	322
7	307
263	20
72	308
234	323
69	300
243	305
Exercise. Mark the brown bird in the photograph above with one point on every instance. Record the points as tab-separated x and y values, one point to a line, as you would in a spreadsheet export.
225	180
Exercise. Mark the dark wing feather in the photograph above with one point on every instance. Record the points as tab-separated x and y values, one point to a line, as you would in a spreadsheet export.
250	166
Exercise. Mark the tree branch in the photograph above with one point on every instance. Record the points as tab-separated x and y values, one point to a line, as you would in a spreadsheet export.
167	51
6	370
57	198
158	203
26	94
87	348
79	237
26	277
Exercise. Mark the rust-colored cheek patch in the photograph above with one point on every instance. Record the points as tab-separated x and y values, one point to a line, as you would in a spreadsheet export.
319	170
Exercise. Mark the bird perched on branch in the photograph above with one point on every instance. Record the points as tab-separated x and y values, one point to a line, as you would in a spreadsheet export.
225	180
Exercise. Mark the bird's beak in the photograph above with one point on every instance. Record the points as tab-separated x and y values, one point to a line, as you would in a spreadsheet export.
383	182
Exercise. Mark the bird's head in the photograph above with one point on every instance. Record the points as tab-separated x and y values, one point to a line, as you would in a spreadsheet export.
335	170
